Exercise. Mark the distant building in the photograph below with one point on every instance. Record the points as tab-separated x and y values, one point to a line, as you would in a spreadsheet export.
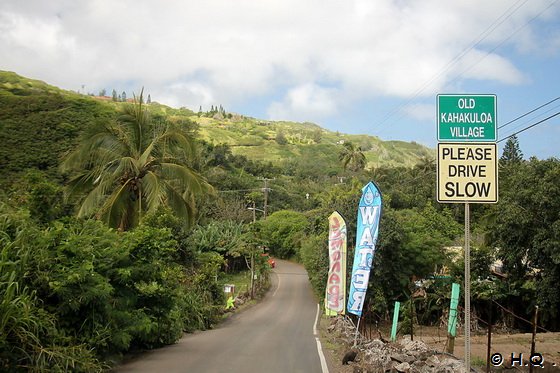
103	98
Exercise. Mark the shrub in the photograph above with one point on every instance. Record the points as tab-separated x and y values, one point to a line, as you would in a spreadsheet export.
315	257
283	232
30	337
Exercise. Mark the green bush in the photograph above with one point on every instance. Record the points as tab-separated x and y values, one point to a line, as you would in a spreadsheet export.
315	257
30	336
282	232
96	292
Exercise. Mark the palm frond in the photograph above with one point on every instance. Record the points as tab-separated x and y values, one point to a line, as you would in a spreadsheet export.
79	184
176	139
137	119
187	178
143	159
127	167
181	207
132	165
95	197
116	209
99	148
153	192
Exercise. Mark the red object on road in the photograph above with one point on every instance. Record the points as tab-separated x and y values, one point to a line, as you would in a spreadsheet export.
270	261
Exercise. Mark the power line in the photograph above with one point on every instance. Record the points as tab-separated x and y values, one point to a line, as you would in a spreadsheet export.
531	126
479	39
239	190
504	41
529	112
534	118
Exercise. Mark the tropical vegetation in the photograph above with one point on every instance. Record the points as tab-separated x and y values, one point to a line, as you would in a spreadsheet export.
121	221
133	165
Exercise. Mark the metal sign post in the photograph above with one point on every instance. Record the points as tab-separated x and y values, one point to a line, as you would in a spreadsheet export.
467	288
467	167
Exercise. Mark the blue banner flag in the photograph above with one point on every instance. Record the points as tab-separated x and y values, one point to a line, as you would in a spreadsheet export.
369	213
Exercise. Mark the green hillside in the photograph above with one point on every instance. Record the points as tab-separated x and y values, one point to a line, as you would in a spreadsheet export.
256	139
40	123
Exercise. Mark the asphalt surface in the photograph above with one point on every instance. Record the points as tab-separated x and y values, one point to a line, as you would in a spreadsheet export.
275	335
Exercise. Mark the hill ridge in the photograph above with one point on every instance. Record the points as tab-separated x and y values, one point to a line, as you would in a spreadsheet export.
279	142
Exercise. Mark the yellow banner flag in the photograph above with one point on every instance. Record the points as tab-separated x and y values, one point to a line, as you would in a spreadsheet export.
335	294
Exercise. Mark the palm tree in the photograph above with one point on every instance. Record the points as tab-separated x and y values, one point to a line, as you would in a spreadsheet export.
352	157
133	165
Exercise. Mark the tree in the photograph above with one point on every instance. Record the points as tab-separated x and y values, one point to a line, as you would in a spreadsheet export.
149	101
132	166
317	135
281	138
512	152
526	231
282	232
352	157
115	97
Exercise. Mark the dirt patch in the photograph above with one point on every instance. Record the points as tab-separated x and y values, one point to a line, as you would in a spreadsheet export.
334	347
379	355
506	344
511	346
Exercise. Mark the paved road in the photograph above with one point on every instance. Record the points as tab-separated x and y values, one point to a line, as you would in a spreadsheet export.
275	335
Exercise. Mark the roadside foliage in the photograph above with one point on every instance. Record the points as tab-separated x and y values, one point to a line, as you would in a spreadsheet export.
128	250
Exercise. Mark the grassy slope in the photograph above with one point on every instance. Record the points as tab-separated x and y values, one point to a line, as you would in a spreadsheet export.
40	123
256	139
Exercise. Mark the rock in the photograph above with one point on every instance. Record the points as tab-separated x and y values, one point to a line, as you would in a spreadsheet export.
402	358
406	356
239	301
403	367
375	344
419	367
414	346
432	361
349	356
454	365
390	367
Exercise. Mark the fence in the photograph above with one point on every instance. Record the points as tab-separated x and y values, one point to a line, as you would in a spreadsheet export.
492	345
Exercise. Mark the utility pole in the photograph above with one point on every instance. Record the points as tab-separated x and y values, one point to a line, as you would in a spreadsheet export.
265	190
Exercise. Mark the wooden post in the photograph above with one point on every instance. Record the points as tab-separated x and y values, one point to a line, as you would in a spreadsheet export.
357	328
265	190
411	319
252	274
489	347
452	323
395	321
533	338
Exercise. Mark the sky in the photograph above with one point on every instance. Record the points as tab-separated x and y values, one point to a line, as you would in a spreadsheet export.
356	66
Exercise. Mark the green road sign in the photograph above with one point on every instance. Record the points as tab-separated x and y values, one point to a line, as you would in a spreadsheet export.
462	118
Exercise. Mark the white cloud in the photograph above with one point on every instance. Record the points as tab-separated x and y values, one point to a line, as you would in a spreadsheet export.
189	94
423	112
484	66
307	102
192	53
